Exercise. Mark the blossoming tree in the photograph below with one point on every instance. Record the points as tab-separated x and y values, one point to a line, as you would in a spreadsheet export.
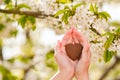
60	15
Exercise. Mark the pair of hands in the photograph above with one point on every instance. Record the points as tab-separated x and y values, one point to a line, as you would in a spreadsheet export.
67	67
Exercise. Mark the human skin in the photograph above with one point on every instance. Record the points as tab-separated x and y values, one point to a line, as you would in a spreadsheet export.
67	67
82	67
65	64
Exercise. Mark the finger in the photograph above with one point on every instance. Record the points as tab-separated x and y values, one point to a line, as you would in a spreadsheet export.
80	37
69	40
89	55
85	58
66	37
86	53
57	48
59	52
63	49
75	38
68	33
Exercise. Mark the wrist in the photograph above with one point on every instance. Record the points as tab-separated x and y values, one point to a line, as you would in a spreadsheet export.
63	75
68	73
82	76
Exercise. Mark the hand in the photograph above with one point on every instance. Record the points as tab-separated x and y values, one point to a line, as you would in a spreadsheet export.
63	61
68	68
60	49
82	66
66	65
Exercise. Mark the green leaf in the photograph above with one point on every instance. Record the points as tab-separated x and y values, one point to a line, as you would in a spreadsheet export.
104	15
3	70
67	12
60	12
22	20
27	49
0	17
117	34
31	19
11	60
94	8
63	1
2	26
91	8
117	31
115	23
7	1
34	27
65	17
107	33
108	55
9	6
13	32
24	59
23	6
6	74
50	61
76	6
67	7
1	42
109	41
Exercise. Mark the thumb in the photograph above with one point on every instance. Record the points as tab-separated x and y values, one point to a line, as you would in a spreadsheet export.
86	55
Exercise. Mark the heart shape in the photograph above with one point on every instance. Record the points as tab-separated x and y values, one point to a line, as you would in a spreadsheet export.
74	51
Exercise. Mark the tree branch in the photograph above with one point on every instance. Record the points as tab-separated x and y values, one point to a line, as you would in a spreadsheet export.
1	56
38	14
94	30
15	3
110	68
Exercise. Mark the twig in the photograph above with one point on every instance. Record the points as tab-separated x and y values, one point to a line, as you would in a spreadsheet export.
117	79
32	66
110	68
15	3
94	30
38	14
1	56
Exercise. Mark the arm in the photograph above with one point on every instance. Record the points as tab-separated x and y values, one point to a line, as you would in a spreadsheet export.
82	76
62	75
66	66
82	67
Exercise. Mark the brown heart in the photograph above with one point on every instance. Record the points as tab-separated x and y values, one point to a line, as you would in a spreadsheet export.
74	51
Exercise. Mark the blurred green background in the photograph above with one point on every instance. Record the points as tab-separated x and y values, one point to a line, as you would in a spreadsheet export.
27	42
